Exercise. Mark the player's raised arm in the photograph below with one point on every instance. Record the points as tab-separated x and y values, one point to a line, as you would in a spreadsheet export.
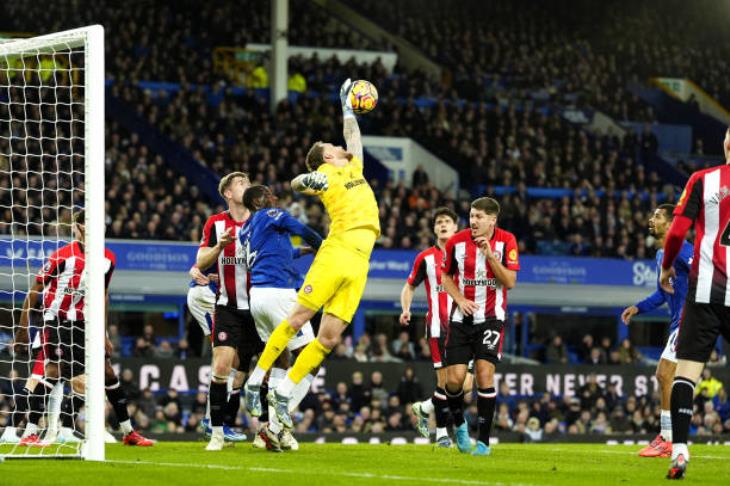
351	130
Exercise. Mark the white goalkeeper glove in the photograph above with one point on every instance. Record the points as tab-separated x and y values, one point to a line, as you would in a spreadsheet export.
315	181
345	99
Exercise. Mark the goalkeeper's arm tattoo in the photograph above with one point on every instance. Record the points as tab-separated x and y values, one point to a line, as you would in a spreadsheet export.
351	133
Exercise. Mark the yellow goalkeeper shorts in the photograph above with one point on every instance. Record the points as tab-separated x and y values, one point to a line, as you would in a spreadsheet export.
337	277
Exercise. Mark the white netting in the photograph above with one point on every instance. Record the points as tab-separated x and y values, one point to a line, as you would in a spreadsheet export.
42	167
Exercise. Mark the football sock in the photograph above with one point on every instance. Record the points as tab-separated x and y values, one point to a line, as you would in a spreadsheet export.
441	410
70	408
55	399
36	403
456	405
21	406
264	403
681	406
217	398
310	357
232	407
300	391
274	347
427	406
666	425
486	401
30	429
118	399
275	378
126	427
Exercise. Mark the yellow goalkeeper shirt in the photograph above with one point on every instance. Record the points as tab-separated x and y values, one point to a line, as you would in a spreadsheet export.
349	200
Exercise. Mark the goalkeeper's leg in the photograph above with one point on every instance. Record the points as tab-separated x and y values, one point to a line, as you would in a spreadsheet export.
310	358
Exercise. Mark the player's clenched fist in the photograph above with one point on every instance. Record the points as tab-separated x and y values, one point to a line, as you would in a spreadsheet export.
405	318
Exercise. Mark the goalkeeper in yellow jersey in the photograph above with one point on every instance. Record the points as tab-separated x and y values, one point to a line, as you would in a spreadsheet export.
339	272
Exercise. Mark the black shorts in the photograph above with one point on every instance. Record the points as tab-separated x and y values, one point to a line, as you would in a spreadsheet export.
467	341
698	331
65	347
236	328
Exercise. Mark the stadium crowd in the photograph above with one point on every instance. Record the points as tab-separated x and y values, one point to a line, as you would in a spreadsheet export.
174	41
508	144
577	54
607	194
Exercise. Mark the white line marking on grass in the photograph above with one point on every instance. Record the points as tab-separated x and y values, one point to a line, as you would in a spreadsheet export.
390	477
631	453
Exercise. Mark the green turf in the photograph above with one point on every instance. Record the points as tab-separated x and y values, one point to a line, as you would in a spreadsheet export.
539	464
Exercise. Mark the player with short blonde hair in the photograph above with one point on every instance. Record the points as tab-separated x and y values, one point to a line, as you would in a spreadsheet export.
337	278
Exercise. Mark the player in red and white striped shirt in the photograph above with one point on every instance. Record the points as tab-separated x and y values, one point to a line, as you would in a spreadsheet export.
427	269
62	283
705	203
235	340
480	265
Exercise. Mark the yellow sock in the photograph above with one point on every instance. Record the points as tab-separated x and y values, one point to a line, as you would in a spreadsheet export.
276	344
310	357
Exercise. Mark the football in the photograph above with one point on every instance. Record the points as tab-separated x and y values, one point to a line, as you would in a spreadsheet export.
364	96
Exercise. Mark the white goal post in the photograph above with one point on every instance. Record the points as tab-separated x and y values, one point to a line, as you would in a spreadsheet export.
40	143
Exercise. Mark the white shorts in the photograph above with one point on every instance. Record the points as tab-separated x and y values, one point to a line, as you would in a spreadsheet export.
670	351
201	303
270	306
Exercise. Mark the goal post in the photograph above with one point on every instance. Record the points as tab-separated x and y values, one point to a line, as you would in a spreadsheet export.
52	159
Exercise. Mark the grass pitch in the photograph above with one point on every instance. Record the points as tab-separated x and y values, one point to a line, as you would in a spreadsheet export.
331	464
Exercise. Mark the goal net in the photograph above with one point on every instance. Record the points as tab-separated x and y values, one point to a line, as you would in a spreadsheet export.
52	168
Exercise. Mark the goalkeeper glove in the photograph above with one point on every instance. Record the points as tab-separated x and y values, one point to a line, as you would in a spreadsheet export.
345	99
315	181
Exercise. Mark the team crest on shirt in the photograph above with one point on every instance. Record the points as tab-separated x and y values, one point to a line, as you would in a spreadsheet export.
46	267
274	213
308	289
222	336
497	255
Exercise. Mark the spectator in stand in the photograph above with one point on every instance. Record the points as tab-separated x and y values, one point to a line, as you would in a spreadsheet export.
590	392
380	351
403	348
628	354
586	345
409	389
596	356
420	177
142	349
556	352
130	387
377	390
164	350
